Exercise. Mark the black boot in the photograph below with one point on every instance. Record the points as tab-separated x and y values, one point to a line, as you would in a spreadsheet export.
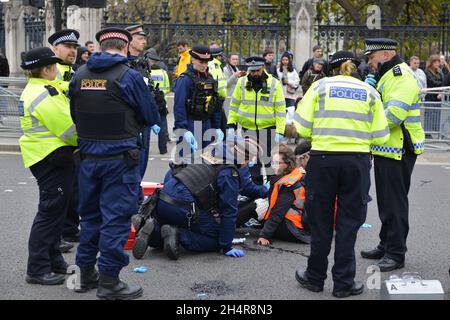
65	246
142	238
88	279
170	237
114	289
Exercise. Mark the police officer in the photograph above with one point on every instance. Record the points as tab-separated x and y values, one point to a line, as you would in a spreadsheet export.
197	207
394	160
258	105
47	147
138	62
65	44
215	68
343	116
110	106
161	82
195	105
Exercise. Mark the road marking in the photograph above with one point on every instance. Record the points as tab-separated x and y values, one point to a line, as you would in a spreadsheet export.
22	183
8	190
446	164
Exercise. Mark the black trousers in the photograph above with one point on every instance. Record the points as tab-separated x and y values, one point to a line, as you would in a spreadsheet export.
55	189
72	220
346	176
392	180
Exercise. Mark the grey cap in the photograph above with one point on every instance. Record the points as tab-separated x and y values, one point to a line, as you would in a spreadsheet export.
254	63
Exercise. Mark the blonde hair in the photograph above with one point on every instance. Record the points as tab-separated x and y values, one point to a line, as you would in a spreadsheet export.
34	73
433	58
347	68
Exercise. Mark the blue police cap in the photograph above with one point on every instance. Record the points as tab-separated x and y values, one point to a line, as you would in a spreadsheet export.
377	44
64	36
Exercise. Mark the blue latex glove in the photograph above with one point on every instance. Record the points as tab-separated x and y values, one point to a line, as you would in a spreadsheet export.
370	79
278	138
156	129
251	163
231	134
220	135
189	138
235	253
267	185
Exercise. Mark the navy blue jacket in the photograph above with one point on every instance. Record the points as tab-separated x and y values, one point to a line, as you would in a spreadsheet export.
134	92
248	187
228	191
184	87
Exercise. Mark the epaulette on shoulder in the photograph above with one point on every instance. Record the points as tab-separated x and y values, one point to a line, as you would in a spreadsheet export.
52	90
397	71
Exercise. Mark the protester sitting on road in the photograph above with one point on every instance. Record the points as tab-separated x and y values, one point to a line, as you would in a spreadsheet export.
284	219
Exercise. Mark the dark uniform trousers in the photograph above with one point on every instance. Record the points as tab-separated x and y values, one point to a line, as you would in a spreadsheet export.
346	176
55	188
109	198
72	220
266	139
201	234
392	180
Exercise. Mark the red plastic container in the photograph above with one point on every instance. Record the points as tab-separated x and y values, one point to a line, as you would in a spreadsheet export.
130	242
148	188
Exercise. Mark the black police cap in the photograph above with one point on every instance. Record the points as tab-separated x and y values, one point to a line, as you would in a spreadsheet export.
377	44
136	29
341	56
64	36
201	52
39	57
216	52
152	55
113	33
254	63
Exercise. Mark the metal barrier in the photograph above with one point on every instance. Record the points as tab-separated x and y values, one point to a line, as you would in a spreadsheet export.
10	91
435	115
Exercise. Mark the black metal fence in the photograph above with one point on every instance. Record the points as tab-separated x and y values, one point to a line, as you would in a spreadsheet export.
34	30
422	39
2	29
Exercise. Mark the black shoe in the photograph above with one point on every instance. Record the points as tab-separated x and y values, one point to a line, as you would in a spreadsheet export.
74	237
62	269
358	288
138	221
300	276
387	264
141	242
88	279
48	279
65	246
170	237
372	254
114	289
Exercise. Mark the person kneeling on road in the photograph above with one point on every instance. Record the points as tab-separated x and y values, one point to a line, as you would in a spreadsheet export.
197	207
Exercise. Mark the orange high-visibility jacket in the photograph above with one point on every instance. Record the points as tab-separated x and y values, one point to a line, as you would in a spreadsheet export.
295	212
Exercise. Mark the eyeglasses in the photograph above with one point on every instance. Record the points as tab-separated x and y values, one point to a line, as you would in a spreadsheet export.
276	163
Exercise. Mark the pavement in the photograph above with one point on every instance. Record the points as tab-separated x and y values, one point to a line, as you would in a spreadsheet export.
263	274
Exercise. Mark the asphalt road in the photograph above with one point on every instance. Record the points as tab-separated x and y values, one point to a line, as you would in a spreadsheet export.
264	273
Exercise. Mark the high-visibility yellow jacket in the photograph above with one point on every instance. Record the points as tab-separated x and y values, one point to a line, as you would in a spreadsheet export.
342	113
183	61
65	73
45	120
160	76
400	91
215	69
258	110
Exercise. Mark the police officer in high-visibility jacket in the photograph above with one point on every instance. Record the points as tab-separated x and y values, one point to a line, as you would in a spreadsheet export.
65	44
215	68
343	116
161	82
47	146
258	105
394	160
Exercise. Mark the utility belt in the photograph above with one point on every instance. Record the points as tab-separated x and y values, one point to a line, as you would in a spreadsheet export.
131	157
193	210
